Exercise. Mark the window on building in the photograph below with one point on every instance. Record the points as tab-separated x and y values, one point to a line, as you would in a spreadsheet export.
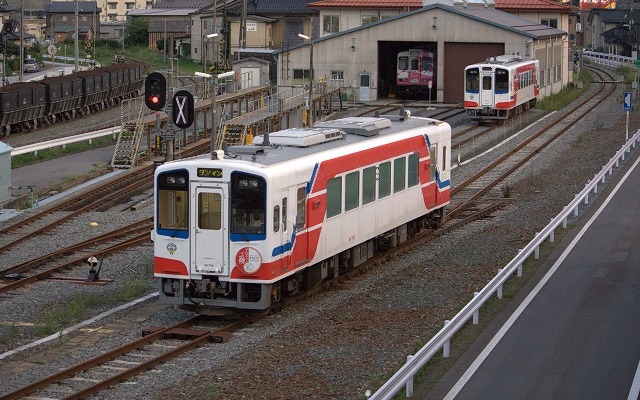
330	24
337	75
551	22
130	6
301	77
366	19
112	6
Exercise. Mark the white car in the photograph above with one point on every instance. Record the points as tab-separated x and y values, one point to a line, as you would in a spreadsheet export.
30	65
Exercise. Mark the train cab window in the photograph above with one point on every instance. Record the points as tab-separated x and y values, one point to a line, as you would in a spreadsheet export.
172	208
472	81
403	63
384	179
399	174
502	80
334	197
427	64
414	63
301	216
276	218
248	204
487	83
209	211
352	191
368	185
412	170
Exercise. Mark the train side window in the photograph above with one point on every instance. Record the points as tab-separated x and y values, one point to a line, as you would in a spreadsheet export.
368	185
210	211
384	179
352	191
276	218
334	197
301	216
412	170
284	214
399	174
433	153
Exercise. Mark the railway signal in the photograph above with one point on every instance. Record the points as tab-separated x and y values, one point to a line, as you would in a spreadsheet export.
155	91
10	26
182	109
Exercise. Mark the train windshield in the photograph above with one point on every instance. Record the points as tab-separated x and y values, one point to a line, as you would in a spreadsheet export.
502	80
427	64
403	62
248	204
172	203
472	82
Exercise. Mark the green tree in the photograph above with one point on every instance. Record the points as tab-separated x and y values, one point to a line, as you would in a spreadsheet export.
137	32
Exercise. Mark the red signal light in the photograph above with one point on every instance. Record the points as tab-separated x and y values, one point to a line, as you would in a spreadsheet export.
154	99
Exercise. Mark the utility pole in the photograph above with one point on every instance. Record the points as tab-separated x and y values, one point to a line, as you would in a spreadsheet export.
21	76
75	42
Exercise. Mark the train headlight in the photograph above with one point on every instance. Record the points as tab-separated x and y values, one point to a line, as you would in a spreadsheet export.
249	260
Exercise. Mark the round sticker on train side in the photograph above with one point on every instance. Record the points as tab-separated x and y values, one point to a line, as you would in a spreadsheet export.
249	260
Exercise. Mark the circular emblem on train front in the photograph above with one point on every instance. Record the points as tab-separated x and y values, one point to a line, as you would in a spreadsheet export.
248	259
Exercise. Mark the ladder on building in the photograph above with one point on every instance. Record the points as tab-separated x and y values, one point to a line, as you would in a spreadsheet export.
234	134
126	153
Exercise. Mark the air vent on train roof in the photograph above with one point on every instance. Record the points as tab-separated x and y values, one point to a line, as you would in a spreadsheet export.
363	126
301	137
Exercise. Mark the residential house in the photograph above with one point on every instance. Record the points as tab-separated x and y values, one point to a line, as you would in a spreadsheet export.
116	10
61	22
604	31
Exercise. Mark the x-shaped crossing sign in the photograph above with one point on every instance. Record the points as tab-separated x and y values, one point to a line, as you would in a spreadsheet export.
182	109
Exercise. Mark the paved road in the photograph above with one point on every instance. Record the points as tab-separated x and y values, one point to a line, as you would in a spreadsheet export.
575	335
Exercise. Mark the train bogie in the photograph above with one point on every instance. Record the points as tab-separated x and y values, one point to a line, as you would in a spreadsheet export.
501	87
266	220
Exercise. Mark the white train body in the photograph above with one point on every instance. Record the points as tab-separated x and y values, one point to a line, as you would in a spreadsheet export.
501	87
261	221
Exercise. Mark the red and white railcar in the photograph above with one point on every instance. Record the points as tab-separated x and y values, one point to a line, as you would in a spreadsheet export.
296	206
414	75
501	87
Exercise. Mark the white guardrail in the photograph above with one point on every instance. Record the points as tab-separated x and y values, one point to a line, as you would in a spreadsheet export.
609	60
62	142
404	376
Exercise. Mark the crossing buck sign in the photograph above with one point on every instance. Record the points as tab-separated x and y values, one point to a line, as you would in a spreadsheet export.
182	109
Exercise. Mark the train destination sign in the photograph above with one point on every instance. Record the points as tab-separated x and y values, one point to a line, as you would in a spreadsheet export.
209	172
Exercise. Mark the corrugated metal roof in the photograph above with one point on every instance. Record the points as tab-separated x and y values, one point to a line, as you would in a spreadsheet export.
162	12
174	4
401	4
170	26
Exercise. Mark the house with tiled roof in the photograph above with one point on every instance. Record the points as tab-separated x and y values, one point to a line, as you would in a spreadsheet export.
340	15
604	30
61	20
269	24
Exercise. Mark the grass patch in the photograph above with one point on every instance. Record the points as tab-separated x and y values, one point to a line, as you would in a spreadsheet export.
629	74
55	152
559	100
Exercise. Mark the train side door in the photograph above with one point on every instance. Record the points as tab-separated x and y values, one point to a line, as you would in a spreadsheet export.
486	89
210	239
286	226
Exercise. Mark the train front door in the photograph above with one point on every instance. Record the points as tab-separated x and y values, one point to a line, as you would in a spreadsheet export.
486	89
210	241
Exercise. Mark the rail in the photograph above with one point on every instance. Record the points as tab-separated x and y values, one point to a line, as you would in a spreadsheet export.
441	340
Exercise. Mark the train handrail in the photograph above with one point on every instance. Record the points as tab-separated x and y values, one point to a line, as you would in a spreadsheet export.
404	376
